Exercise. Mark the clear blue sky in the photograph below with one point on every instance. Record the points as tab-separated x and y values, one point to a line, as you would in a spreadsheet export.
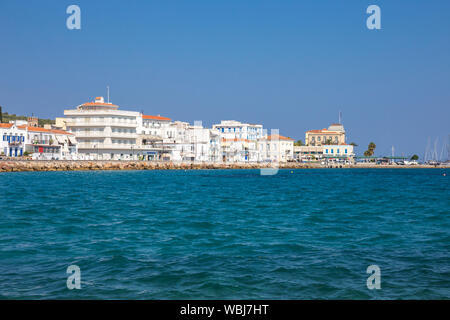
290	65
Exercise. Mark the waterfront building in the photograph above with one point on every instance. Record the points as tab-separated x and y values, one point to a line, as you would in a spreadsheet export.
308	153
276	148
338	151
188	142
324	144
50	144
13	139
152	130
103	132
335	134
239	140
324	152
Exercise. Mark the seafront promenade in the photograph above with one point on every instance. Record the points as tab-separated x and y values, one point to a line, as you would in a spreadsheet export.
33	165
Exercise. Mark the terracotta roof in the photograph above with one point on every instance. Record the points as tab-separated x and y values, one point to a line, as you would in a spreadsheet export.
155	118
6	125
39	129
279	137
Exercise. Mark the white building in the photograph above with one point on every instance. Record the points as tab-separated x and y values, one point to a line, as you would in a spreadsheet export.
338	151
276	148
239	140
50	144
187	142
13	139
341	152
103	132
152	130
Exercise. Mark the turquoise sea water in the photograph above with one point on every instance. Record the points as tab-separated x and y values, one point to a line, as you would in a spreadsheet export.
223	234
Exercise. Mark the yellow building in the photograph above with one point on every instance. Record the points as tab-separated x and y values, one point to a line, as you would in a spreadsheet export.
335	134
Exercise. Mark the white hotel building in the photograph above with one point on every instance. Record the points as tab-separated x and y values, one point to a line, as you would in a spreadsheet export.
103	132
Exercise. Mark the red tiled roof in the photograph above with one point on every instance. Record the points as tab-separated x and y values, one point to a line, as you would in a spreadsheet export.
6	125
279	137
155	118
39	129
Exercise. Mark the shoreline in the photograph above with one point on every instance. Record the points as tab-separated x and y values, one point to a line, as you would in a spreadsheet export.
99	165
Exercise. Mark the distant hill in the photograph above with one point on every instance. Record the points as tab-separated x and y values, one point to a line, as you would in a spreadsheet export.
9	117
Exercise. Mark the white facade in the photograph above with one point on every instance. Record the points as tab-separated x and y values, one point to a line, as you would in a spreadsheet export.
152	130
12	140
239	140
50	144
315	153
192	142
344	150
103	132
276	148
41	143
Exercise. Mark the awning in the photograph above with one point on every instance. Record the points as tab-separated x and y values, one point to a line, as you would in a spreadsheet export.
72	140
59	139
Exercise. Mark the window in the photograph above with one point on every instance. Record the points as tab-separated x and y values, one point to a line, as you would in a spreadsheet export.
326	150
345	150
332	150
337	151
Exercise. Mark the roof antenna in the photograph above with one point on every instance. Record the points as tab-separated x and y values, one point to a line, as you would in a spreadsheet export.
107	88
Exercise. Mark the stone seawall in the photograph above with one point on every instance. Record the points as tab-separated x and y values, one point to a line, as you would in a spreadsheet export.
30	165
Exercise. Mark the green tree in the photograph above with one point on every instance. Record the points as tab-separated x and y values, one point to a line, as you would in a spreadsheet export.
415	157
298	143
370	149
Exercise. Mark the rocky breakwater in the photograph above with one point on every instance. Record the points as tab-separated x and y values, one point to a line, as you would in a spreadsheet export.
30	165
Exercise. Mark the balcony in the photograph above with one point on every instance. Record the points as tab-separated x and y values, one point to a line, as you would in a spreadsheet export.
14	143
105	123
84	134
101	146
124	135
44	143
